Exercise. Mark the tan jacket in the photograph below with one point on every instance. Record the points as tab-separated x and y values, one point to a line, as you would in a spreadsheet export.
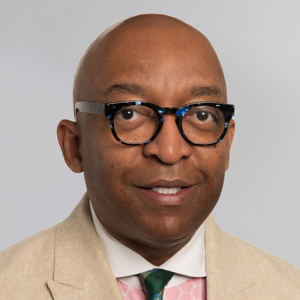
67	262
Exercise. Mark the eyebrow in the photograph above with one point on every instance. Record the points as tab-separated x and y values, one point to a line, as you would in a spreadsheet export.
124	88
205	91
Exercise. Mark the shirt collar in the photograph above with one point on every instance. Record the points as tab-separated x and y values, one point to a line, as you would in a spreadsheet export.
188	261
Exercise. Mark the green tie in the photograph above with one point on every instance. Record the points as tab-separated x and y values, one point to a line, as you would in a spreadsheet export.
155	281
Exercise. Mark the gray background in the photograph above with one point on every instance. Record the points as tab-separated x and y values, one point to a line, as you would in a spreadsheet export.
258	44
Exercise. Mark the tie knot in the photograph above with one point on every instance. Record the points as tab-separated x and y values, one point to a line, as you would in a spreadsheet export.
154	281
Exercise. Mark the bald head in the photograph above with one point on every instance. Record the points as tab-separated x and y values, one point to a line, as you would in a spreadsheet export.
140	44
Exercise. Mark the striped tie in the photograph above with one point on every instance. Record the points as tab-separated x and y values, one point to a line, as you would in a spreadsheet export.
155	281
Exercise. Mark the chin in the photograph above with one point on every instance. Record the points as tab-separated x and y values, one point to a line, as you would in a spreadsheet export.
168	236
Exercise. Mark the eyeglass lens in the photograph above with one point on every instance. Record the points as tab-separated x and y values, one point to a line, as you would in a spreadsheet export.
137	124
203	124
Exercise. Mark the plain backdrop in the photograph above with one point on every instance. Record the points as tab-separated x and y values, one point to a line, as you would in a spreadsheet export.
258	43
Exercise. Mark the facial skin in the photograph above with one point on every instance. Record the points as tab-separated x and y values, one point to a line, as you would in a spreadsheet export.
157	59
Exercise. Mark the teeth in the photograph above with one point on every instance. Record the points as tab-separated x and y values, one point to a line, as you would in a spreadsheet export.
163	190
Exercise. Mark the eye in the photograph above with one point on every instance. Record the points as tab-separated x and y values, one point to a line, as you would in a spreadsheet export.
204	116
128	114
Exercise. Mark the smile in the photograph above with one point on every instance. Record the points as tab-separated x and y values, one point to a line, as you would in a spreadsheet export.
165	190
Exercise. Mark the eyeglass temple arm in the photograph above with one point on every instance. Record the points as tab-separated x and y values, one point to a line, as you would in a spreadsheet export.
89	107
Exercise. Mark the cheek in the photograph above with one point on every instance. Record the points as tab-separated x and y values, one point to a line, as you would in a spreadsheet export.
220	160
99	167
106	164
211	161
211	164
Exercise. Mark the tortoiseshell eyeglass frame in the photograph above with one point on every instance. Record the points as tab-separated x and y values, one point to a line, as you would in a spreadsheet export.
110	110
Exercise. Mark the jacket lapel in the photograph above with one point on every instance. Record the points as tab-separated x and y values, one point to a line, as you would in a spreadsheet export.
81	270
229	275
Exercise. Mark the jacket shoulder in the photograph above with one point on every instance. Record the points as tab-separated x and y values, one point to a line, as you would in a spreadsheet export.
273	272
26	266
239	259
263	259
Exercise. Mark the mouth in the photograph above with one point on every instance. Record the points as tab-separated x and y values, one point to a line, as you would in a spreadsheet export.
167	192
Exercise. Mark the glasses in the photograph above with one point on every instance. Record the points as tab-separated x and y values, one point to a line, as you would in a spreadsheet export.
136	122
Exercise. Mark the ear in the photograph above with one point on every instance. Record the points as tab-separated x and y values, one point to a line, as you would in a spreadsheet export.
230	132
69	141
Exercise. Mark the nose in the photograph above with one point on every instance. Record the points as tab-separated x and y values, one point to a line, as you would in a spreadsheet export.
169	146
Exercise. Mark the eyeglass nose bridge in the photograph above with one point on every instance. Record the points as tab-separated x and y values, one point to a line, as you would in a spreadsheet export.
179	113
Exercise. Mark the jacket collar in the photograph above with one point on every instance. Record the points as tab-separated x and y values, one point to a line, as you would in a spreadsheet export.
81	270
229	274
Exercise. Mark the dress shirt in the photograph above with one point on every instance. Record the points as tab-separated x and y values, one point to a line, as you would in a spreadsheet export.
188	262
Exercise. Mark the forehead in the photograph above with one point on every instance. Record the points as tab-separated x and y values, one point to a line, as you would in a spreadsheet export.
164	62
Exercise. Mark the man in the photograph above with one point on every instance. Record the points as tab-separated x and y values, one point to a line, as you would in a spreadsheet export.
152	135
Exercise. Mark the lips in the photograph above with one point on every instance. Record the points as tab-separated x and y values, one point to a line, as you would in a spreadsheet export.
167	192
